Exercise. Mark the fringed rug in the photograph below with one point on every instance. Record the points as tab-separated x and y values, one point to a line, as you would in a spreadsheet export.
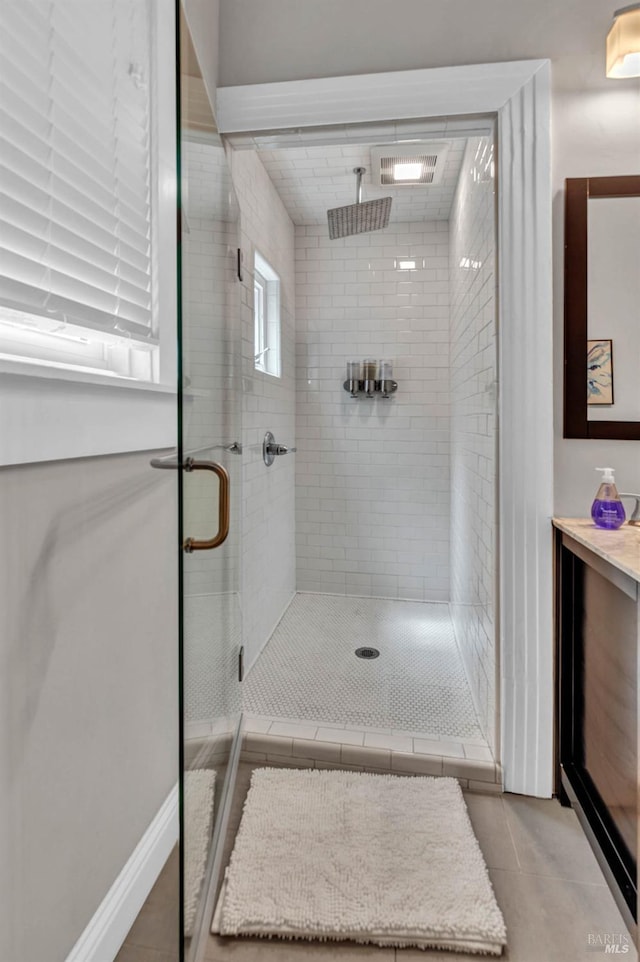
198	824
372	858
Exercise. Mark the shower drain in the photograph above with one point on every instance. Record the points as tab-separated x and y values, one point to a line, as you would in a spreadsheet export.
367	652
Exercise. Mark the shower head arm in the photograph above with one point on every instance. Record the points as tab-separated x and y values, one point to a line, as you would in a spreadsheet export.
359	171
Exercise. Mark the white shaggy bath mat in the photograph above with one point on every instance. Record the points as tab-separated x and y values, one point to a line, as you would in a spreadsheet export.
372	858
198	820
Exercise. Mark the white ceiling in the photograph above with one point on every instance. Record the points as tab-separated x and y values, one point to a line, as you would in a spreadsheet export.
311	180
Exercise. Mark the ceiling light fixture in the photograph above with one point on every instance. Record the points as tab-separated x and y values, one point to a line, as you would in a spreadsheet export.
407	171
623	43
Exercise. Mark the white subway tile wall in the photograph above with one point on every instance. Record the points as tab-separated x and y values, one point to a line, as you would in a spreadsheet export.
473	426
268	495
372	476
311	179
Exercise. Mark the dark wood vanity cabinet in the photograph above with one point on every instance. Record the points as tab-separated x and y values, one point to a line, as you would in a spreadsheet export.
597	733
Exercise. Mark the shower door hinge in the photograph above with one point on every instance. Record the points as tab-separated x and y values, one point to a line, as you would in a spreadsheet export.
241	663
239	266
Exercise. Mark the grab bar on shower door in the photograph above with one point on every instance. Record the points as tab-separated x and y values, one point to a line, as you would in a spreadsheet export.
193	544
169	460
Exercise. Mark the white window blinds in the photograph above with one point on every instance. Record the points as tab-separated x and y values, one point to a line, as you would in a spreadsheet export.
75	172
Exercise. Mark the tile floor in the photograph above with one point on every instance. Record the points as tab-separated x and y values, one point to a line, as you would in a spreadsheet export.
409	710
301	744
547	882
308	669
211	668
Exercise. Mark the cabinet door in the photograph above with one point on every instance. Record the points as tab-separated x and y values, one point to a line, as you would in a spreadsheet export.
609	731
597	710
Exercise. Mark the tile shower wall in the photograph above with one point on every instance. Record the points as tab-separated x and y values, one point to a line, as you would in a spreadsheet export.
268	526
473	426
372	482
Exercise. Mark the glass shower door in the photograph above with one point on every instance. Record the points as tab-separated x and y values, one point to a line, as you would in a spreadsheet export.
210	455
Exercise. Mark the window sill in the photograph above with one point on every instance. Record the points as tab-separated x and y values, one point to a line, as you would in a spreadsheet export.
53	413
259	370
58	372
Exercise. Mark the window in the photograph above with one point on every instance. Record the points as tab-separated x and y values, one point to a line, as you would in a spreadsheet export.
77	184
88	282
266	309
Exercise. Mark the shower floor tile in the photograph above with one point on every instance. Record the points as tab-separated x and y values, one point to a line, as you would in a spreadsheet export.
308	671
210	664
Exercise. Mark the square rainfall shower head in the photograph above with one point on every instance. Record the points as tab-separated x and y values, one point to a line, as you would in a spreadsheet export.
359	218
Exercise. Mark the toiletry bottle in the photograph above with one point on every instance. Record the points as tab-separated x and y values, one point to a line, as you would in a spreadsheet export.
607	510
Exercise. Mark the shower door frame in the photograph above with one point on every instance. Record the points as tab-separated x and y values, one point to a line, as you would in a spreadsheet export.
518	95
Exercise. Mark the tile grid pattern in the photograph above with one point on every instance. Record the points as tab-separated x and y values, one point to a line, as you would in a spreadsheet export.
391	739
362	525
268	495
474	427
211	688
309	669
290	743
311	180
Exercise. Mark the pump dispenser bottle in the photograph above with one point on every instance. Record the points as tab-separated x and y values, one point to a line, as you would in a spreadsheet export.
607	510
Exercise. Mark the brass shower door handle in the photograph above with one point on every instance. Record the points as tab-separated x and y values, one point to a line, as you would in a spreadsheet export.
192	544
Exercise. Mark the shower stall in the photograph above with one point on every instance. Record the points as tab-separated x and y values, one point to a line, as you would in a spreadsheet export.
395	493
350	614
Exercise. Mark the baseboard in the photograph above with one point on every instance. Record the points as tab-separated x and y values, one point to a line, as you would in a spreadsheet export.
103	937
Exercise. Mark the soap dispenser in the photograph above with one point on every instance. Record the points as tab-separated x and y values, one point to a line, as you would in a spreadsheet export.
607	510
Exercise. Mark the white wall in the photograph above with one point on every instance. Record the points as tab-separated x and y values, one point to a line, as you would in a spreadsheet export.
270	40
595	121
364	526
595	134
473	426
203	19
88	686
268	494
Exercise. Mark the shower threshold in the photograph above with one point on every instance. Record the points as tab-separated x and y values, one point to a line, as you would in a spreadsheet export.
309	700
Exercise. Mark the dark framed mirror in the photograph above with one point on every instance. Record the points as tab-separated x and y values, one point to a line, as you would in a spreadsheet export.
602	308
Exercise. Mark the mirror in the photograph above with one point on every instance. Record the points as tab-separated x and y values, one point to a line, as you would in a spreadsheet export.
602	315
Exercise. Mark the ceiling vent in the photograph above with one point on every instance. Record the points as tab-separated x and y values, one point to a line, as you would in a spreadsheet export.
407	165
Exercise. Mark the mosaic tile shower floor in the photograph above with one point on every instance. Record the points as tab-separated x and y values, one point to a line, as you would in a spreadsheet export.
308	669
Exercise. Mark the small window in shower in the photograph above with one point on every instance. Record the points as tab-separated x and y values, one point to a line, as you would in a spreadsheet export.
266	312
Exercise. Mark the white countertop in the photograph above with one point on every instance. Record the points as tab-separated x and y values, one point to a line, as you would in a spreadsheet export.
620	548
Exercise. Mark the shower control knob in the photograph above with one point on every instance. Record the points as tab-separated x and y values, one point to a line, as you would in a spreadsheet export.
271	449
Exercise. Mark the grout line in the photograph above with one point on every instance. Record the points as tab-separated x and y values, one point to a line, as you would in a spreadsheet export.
315	723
